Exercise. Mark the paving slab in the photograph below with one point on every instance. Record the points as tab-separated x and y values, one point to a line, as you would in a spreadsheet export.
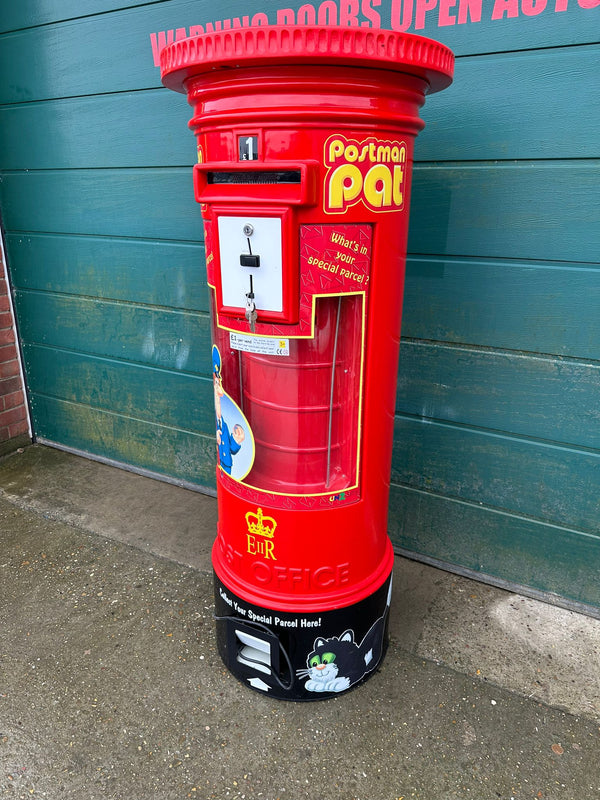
150	514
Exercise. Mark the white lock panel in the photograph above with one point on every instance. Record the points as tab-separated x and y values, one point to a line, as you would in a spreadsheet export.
267	279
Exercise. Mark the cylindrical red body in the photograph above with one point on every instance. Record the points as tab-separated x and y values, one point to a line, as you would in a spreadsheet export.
305	142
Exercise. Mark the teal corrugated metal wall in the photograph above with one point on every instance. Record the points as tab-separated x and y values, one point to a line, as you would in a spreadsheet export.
497	448
497	457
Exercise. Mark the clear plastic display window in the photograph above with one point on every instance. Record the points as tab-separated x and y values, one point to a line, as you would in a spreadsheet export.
301	410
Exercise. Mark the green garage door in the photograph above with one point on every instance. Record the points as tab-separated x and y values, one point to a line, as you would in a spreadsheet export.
497	449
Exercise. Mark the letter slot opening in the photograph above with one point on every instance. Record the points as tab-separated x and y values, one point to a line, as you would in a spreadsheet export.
254	177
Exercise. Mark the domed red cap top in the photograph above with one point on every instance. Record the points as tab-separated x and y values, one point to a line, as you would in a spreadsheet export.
304	45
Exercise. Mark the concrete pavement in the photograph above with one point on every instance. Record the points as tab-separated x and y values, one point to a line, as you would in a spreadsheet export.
111	687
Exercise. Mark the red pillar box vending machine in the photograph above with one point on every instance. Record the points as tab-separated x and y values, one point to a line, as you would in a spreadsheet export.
305	148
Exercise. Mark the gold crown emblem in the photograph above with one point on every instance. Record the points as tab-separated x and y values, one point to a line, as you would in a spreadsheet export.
260	525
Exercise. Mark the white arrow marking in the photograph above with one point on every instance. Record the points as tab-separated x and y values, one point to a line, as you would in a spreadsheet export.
257	683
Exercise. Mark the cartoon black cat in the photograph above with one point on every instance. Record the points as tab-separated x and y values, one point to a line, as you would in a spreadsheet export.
337	663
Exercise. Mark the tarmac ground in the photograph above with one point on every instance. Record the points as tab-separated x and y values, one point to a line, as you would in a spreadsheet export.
111	687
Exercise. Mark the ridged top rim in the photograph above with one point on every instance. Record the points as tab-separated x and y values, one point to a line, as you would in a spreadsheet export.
303	45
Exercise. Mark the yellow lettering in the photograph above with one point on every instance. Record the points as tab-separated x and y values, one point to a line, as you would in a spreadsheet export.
378	186
336	149
345	185
351	153
397	187
261	547
352	179
269	549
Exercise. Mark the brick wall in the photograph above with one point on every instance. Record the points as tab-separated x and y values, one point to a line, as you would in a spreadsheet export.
14	424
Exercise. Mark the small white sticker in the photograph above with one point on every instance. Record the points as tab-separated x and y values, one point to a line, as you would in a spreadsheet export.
264	345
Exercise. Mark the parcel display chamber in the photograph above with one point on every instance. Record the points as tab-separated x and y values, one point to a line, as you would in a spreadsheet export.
303	406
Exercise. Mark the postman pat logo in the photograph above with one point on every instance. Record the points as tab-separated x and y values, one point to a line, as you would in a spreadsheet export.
371	171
